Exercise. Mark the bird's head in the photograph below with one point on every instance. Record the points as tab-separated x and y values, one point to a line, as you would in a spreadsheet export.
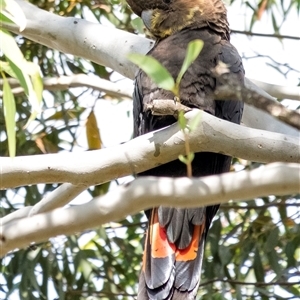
166	17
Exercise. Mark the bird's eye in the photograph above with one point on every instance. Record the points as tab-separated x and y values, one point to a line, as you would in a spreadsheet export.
167	1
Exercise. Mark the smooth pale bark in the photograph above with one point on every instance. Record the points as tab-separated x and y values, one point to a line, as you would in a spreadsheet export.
143	193
148	151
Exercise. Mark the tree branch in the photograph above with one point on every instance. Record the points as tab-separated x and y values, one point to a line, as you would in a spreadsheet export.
97	43
76	80
143	193
149	151
279	91
271	35
232	89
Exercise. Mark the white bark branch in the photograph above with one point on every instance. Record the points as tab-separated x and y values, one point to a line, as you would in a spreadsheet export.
148	151
109	47
279	179
77	80
279	91
57	198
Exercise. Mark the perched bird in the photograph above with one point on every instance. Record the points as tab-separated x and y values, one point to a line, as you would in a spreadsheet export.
175	237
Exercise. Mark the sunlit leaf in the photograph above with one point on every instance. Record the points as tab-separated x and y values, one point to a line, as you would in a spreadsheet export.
22	69
10	49
193	50
92	132
12	12
5	67
9	113
158	73
182	158
182	120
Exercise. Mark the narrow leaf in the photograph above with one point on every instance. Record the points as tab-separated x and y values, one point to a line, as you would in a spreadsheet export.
10	49
181	120
9	114
190	157
14	13
193	50
158	73
258	267
92	132
5	67
182	158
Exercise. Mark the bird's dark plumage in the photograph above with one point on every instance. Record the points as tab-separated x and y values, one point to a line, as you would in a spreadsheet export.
175	237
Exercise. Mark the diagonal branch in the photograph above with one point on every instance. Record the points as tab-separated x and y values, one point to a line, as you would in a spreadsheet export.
232	89
149	151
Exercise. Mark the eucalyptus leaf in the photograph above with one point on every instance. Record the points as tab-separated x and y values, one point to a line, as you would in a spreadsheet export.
158	73
193	50
11	10
183	159
181	120
9	114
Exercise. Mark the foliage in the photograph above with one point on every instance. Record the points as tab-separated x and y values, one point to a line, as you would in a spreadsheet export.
16	66
160	75
252	248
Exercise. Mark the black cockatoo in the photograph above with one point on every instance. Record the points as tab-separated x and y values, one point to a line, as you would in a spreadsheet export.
175	237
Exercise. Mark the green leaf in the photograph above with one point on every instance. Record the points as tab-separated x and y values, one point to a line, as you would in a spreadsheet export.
186	159
5	67
158	73
11	12
183	159
193	50
22	69
272	240
10	49
190	157
225	255
274	262
181	120
258	267
5	19
9	114
14	57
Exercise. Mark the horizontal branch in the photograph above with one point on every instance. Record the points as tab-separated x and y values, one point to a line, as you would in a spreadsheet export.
97	43
142	193
149	151
76	80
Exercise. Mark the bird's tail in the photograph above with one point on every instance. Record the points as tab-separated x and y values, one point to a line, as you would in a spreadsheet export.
169	272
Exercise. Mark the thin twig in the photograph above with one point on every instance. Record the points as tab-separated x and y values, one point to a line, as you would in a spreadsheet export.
259	283
271	35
